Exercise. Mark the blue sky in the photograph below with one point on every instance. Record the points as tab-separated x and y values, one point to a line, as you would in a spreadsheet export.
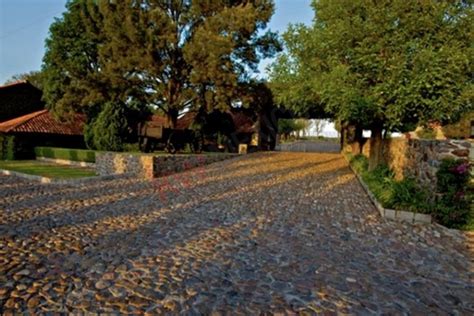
24	26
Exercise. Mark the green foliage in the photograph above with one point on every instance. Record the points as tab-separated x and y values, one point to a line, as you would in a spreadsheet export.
166	54
381	65
108	130
426	133
452	208
453	175
405	194
66	154
359	163
454	205
288	126
71	62
12	148
408	195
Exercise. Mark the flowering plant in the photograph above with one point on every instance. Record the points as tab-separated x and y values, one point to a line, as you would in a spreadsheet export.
461	169
453	178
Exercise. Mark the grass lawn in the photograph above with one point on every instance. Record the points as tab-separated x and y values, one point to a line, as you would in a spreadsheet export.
46	169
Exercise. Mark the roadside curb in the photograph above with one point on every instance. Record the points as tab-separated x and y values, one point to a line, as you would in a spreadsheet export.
66	162
46	180
396	215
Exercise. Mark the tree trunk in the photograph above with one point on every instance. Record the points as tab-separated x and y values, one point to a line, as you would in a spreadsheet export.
359	139
376	147
342	139
172	117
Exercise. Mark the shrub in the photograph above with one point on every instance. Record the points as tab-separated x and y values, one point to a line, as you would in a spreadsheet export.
454	201
452	207
453	175
408	195
360	163
405	194
108	130
66	153
12	148
426	133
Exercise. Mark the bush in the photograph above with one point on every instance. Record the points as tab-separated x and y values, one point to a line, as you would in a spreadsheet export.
108	130
405	194
408	195
66	153
360	163
426	133
11	148
454	201
452	207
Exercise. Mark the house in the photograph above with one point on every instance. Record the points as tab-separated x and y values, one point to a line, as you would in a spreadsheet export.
236	125
19	98
41	128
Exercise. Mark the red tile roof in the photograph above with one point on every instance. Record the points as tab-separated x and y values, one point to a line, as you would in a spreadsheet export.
43	122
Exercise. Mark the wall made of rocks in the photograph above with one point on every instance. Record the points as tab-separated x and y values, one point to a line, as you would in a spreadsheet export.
151	166
108	163
419	158
164	165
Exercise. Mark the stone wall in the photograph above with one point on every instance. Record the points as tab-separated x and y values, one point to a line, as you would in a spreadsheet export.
151	166
419	158
462	129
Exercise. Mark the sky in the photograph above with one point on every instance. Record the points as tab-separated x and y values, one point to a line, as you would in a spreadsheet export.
24	26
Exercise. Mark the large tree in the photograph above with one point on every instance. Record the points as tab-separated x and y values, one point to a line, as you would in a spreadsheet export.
385	65
169	54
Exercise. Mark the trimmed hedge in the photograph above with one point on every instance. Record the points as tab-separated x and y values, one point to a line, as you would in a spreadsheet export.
82	155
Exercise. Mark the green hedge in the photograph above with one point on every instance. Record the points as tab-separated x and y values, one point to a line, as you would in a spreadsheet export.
66	153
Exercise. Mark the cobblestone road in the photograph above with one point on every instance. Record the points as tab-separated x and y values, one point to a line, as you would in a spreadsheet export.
276	232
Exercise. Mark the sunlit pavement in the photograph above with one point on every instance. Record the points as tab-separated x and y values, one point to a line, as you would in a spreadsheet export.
275	232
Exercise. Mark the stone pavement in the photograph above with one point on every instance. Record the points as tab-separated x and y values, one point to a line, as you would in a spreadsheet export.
279	233
318	146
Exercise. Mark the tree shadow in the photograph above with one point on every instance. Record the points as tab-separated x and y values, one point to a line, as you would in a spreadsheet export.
167	230
221	248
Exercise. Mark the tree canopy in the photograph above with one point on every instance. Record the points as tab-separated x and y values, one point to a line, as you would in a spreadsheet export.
155	53
382	65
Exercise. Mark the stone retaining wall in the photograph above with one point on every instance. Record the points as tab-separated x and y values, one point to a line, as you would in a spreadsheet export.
151	166
419	158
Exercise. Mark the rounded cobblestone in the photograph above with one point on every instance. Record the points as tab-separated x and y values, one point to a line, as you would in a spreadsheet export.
270	232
